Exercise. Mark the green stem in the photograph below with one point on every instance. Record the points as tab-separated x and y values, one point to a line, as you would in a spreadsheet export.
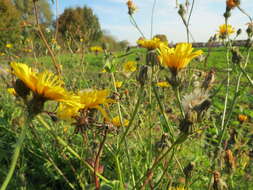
163	113
72	151
140	96
16	155
179	102
246	75
119	172
133	22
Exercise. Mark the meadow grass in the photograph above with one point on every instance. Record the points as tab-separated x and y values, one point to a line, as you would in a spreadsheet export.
47	164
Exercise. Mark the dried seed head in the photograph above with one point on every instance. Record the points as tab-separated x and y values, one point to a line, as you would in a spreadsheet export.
209	80
230	160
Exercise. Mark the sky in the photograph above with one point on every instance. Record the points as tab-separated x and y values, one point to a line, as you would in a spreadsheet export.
206	18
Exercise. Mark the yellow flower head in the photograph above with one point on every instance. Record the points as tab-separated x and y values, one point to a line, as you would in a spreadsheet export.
225	30
87	99
9	46
118	84
12	91
242	118
130	66
68	112
44	85
150	44
2	54
177	188
233	3
163	84
177	58
92	98
116	122
96	49
103	71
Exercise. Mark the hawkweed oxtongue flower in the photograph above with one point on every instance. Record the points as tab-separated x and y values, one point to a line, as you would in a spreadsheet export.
129	67
149	44
96	49
44	86
225	30
163	84
176	58
89	101
117	123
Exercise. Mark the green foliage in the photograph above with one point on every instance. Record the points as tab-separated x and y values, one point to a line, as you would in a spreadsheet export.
26	8
79	23
9	23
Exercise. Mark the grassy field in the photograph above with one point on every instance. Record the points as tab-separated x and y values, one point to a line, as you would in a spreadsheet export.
47	163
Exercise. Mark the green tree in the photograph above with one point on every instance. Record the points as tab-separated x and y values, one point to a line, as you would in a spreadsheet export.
9	23
79	23
26	8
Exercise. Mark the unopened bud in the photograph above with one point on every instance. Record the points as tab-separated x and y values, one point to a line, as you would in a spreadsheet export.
188	170
143	74
182	11
239	31
237	57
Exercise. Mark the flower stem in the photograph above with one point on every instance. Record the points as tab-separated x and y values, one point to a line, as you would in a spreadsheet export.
140	96
16	155
71	150
179	102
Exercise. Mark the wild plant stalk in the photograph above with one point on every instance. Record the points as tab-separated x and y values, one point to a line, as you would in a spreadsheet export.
16	153
50	159
70	149
56	65
97	164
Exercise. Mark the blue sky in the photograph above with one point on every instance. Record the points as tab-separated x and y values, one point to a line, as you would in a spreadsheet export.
206	18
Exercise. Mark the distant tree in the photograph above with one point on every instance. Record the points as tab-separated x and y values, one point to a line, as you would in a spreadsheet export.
162	37
26	8
79	23
9	23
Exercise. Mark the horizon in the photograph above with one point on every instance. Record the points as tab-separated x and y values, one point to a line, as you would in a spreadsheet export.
113	18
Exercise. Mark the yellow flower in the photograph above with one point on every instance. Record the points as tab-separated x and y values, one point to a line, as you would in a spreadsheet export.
118	84
225	30
9	46
233	3
116	122
150	44
177	188
12	91
2	54
87	99
130	66
44	85
92	98
67	112
103	71
242	118
177	58
163	84
96	49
